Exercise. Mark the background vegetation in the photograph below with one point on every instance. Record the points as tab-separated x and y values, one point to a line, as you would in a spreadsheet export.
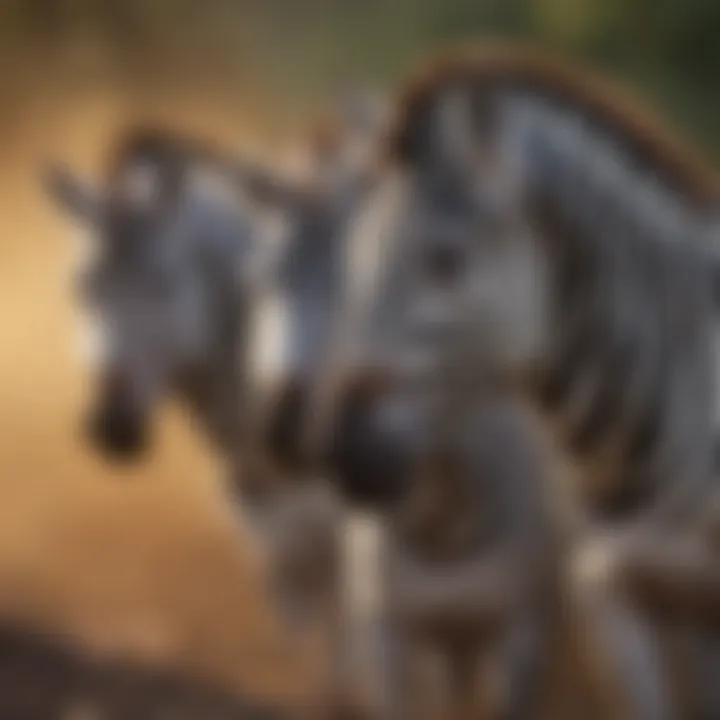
291	50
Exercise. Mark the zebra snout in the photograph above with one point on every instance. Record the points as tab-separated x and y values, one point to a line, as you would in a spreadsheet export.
368	453
117	426
118	433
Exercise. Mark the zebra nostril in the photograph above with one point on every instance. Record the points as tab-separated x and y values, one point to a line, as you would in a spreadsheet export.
117	431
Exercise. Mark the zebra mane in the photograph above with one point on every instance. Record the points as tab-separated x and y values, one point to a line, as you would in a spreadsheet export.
627	212
573	109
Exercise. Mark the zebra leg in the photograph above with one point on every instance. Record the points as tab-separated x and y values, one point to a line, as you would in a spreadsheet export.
675	579
523	660
672	577
473	683
621	647
498	678
406	675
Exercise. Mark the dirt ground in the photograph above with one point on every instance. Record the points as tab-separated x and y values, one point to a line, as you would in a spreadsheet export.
147	562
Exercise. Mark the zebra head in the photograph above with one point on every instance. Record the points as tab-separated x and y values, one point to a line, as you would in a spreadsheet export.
157	286
458	281
311	279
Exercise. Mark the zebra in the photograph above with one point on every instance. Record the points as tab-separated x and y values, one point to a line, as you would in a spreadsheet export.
193	250
467	538
538	234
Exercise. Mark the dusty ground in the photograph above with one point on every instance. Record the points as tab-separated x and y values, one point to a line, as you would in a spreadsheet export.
50	678
147	562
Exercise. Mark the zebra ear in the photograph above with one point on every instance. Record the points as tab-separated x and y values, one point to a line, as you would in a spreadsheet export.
74	195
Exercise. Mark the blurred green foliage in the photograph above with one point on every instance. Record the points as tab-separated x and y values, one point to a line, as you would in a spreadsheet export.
667	49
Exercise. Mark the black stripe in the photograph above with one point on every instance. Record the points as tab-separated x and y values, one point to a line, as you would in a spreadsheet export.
622	307
575	326
607	407
644	436
556	384
632	493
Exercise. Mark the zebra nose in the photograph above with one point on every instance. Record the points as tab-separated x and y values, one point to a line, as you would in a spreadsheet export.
117	431
368	449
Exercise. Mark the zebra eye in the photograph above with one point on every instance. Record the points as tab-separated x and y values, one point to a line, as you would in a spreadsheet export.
443	263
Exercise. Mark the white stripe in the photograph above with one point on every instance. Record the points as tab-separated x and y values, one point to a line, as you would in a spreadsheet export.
362	544
370	244
85	250
363	540
268	343
92	339
94	342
